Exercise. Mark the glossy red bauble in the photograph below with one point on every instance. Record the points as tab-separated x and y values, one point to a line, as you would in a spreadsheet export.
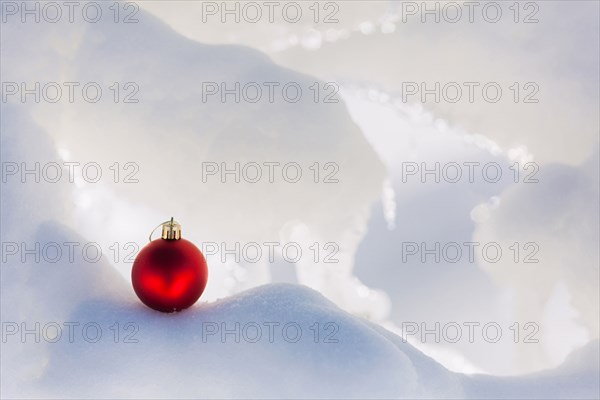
169	275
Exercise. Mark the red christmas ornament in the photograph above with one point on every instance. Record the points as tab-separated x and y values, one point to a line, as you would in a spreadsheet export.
170	273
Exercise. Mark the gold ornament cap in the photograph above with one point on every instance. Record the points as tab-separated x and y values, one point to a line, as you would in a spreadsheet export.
171	230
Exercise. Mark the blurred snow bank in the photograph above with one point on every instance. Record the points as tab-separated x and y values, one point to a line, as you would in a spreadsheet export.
382	45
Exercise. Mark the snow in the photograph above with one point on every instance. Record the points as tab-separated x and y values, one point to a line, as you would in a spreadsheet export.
178	355
558	51
368	134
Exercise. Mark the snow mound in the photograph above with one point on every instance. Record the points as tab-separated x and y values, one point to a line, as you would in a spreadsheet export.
273	341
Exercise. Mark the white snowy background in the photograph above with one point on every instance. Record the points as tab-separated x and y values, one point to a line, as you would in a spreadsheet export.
370	51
